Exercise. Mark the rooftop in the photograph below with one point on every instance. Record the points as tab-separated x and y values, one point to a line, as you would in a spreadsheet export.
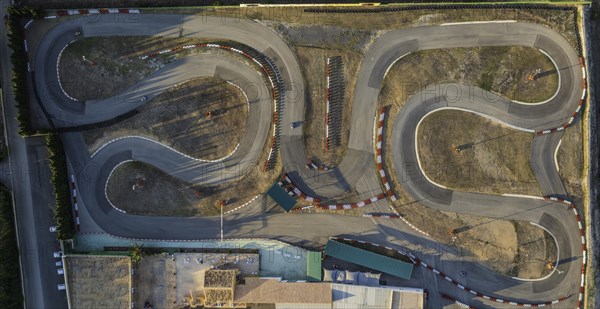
258	290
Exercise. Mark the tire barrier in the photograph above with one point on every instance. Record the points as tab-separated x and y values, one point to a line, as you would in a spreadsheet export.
572	206
270	71
416	261
287	184
62	13
311	165
74	198
379	147
335	102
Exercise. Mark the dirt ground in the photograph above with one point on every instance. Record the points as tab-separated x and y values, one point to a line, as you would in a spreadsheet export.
177	118
85	274
498	161
570	162
154	282
164	195
525	253
503	70
315	60
560	21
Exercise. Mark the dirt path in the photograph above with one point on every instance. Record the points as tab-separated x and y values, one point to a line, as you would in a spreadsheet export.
178	118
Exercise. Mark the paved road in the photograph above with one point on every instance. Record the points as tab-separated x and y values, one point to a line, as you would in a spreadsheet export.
356	167
27	173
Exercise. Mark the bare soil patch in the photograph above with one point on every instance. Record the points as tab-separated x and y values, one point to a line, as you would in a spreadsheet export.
177	118
560	21
164	195
496	162
503	70
154	281
98	281
112	64
570	162
314	63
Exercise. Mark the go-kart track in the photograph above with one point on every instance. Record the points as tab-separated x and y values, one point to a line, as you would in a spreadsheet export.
485	288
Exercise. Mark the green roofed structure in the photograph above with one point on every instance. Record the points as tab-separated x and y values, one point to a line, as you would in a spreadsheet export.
313	266
282	198
369	259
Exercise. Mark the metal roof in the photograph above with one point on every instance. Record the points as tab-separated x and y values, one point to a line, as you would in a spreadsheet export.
369	259
313	266
281	197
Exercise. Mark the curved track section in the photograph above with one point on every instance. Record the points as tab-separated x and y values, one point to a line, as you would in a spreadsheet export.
358	162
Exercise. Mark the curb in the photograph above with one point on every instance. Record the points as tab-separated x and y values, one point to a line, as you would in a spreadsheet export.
272	74
315	202
417	262
379	160
579	106
572	206
74	201
62	13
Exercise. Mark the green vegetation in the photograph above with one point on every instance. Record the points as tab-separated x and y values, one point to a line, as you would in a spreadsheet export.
63	213
19	61
11	295
136	253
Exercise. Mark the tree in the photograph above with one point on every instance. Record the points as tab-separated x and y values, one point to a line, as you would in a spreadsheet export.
136	253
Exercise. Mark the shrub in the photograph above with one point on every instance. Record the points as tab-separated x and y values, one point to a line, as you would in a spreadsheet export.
63	213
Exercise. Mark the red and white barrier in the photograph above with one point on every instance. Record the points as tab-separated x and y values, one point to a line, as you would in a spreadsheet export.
328	94
379	147
317	202
74	197
579	106
62	13
416	261
274	86
572	206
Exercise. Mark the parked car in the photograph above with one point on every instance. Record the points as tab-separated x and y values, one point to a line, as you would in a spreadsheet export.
53	229
58	263
62	287
60	271
58	254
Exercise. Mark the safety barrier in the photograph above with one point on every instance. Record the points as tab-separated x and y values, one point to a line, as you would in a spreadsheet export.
294	191
572	206
335	101
379	151
579	106
416	261
272	74
62	13
75	207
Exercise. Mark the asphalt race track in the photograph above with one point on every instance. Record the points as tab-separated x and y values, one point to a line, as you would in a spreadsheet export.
358	165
